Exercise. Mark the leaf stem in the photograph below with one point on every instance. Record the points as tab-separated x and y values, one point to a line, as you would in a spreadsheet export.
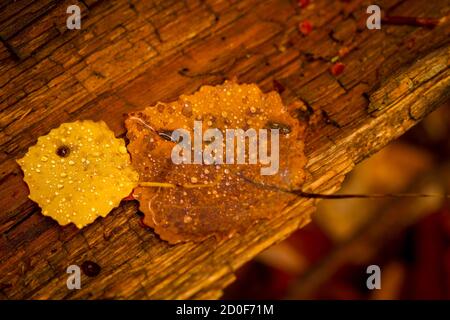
411	21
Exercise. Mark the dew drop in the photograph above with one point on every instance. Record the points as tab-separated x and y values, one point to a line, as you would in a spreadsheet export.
90	268
63	151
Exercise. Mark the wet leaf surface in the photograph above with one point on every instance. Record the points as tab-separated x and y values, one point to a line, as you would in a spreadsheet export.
78	172
212	200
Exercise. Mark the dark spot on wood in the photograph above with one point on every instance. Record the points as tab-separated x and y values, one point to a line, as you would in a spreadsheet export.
90	268
99	74
183	71
309	56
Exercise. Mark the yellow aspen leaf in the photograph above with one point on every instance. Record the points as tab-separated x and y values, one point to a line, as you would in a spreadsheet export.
78	172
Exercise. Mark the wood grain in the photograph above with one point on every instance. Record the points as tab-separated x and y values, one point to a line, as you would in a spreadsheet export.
131	54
